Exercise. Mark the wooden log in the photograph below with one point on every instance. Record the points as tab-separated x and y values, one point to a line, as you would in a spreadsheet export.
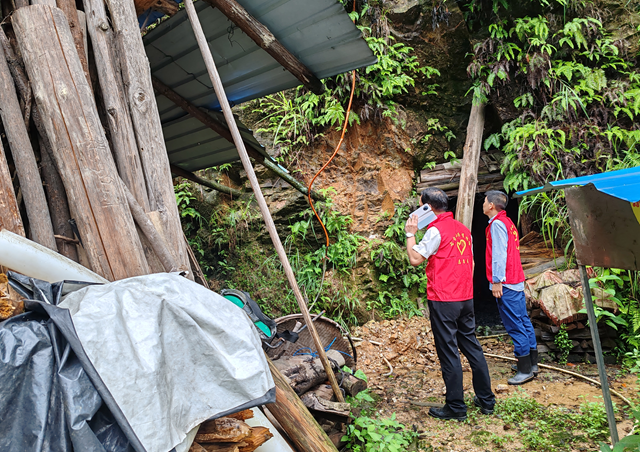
242	415
255	185
353	385
223	131
265	39
205	182
151	233
58	203
470	161
68	7
78	143
335	411
123	139
259	436
303	373
25	160
195	447
9	211
322	391
295	419
222	430
146	122
221	447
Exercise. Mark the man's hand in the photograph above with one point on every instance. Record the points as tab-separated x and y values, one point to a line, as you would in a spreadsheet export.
412	224
496	290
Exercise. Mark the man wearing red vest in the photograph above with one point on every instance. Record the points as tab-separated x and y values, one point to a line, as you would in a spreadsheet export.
447	248
506	280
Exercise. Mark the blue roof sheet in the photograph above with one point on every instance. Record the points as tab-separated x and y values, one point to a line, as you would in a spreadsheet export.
623	184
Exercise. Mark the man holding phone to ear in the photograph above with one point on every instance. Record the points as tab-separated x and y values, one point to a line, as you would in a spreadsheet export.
447	247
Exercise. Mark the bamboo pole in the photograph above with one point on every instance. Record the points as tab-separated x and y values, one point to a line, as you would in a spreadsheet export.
470	161
25	160
246	163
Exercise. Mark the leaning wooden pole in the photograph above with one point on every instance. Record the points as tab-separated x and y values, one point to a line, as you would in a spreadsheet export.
205	182
25	160
295	419
470	162
264	209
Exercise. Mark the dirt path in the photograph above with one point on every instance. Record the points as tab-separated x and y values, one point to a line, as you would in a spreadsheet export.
408	347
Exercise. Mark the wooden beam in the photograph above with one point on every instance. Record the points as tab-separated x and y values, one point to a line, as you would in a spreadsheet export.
262	204
205	182
68	7
470	162
25	160
136	75
261	35
223	131
78	142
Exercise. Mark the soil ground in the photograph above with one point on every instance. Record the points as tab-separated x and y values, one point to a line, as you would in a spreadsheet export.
407	346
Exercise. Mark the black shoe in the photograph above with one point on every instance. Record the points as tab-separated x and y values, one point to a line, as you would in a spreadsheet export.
447	414
524	371
534	362
483	409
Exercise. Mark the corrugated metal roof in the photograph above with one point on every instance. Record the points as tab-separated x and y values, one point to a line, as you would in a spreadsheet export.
623	184
319	33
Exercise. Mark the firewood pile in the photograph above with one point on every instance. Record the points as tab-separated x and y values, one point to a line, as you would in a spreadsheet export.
305	374
230	434
537	255
11	303
446	176
83	165
555	299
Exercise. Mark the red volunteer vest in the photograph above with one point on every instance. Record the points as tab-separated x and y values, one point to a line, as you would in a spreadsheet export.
450	270
514	273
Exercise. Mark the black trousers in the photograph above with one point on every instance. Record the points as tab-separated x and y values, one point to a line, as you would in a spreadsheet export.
453	324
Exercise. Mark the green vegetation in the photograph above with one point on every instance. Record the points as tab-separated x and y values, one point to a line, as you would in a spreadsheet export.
564	344
296	118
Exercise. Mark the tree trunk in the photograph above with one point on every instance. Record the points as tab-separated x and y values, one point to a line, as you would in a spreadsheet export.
58	202
68	7
295	419
9	211
123	137
79	146
25	160
148	129
470	162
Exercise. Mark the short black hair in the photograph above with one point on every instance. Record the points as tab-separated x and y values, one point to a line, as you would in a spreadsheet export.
436	198
498	198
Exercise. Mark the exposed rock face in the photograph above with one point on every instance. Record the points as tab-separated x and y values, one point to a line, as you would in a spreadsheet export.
371	172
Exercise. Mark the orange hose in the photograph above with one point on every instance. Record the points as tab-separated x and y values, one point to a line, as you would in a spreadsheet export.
344	129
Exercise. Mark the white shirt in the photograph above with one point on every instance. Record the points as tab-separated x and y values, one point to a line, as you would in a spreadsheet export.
429	244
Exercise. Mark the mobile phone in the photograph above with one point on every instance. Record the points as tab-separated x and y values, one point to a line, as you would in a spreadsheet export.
425	216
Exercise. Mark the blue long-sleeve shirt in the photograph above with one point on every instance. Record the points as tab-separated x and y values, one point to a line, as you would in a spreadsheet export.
499	241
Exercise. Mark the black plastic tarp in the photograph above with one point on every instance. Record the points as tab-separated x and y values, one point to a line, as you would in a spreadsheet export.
51	397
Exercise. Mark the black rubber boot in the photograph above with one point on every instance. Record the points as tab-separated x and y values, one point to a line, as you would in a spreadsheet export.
483	409
534	362
524	373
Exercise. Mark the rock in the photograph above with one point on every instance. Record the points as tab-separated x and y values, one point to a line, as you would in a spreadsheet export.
502	388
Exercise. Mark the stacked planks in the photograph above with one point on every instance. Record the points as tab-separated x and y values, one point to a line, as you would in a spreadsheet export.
84	170
230	434
446	176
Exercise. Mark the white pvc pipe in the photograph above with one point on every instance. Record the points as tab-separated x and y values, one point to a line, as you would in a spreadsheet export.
275	444
36	261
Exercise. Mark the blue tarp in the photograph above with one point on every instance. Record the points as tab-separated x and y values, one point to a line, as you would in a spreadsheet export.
623	184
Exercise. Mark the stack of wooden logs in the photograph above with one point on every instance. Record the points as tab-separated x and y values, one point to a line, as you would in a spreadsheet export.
578	332
230	434
537	256
84	169
306	376
446	176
